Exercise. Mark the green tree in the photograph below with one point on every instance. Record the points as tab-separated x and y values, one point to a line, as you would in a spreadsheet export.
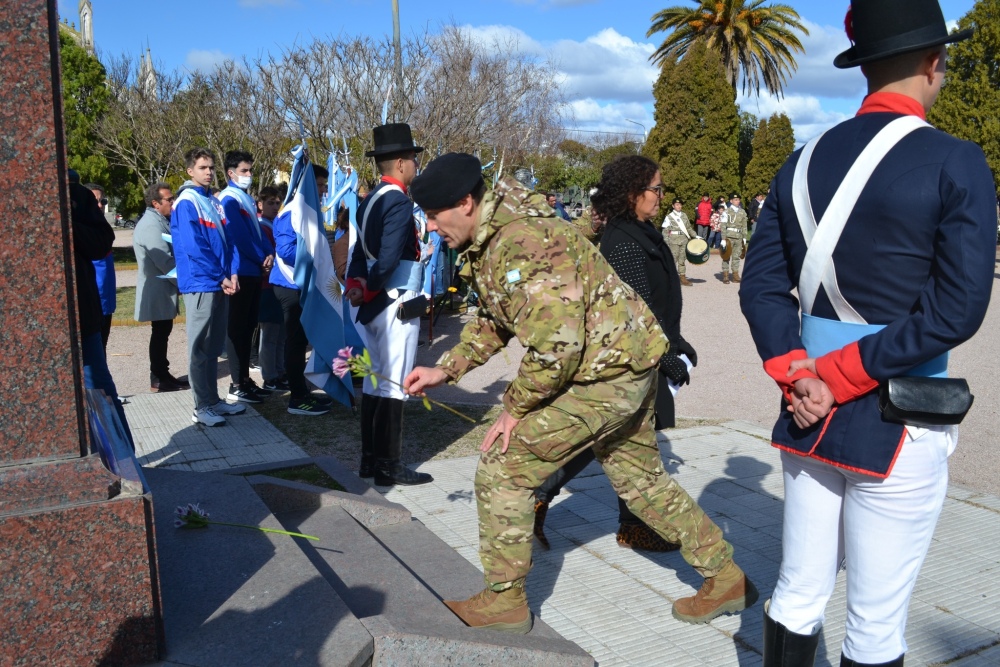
969	104
773	142
744	142
697	125
754	40
86	100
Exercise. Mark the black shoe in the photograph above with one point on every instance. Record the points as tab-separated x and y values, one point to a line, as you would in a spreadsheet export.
367	468
784	648
254	365
249	385
182	381
158	386
243	394
389	472
322	399
306	406
276	386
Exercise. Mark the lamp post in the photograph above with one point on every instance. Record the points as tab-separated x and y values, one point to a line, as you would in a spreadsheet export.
635	122
398	49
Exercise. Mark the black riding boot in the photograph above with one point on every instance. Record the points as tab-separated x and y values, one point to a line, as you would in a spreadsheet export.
784	648
389	447
847	662
369	406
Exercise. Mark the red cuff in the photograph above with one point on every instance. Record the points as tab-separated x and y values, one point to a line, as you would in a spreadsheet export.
354	282
368	294
777	368
844	373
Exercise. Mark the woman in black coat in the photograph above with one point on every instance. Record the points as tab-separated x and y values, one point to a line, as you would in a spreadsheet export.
628	197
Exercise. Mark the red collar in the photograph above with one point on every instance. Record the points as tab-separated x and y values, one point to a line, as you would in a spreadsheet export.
390	179
892	103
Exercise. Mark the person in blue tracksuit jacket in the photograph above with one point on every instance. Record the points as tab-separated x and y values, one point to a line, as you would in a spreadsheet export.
205	277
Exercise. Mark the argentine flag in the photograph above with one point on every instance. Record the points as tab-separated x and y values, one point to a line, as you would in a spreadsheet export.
320	295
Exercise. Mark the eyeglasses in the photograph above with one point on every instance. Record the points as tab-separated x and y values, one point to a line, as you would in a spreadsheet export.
169	200
655	189
103	200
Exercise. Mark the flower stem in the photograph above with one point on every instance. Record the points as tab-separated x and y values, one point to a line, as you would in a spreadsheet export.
265	530
438	403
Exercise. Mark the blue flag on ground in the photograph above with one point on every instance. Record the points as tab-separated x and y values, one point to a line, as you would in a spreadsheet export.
321	293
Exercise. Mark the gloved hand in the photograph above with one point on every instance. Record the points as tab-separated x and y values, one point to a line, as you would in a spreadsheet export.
674	368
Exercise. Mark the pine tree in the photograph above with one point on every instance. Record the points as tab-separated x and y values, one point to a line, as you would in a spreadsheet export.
748	127
773	142
697	123
968	106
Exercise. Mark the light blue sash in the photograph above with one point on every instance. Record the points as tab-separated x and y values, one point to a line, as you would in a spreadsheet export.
407	276
822	336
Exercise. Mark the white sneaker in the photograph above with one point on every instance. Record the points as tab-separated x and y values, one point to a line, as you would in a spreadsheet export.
208	417
224	408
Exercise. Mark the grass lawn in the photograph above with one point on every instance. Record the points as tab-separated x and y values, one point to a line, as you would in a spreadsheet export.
427	435
308	474
125	309
125	259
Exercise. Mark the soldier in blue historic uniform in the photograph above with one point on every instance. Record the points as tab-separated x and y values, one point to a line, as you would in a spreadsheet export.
384	272
877	236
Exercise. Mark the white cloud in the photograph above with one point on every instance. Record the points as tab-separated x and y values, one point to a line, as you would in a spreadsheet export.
606	66
589	115
816	74
489	35
810	115
204	60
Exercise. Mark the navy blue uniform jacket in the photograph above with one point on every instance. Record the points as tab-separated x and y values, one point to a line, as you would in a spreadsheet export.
917	254
391	237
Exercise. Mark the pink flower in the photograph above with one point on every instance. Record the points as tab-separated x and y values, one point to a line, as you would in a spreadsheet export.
345	352
341	367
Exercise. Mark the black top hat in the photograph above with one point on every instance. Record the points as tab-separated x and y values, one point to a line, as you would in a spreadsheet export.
393	138
884	28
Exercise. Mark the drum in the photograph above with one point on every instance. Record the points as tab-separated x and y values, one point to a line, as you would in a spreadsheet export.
725	250
697	251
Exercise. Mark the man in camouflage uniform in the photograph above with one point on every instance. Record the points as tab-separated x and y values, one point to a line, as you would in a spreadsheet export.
734	230
677	231
587	380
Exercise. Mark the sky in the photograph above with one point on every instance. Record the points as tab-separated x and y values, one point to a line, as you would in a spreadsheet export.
598	47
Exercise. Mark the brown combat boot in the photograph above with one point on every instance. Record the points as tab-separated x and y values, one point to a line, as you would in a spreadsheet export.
506	611
727	592
736	276
642	537
686	282
725	277
541	509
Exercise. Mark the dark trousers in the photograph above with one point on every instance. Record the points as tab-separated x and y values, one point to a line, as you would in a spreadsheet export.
106	330
295	341
551	487
703	231
159	365
244	307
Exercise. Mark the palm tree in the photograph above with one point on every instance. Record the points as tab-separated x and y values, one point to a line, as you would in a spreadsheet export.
752	39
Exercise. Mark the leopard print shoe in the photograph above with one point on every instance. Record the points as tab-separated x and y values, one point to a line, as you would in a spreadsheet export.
642	537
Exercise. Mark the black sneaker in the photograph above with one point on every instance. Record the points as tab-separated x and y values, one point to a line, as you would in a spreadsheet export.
307	406
276	385
322	399
243	394
250	385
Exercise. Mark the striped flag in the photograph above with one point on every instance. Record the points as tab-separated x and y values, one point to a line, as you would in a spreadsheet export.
314	275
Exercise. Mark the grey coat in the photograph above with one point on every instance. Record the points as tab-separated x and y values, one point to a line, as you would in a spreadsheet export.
155	298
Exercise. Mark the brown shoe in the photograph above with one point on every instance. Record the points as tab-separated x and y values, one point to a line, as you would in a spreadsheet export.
725	277
727	592
506	611
686	282
541	509
736	276
642	537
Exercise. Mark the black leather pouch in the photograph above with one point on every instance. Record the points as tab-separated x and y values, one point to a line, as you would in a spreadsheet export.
923	401
418	306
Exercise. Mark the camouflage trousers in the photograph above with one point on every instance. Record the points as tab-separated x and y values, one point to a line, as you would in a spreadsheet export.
606	417
679	251
734	259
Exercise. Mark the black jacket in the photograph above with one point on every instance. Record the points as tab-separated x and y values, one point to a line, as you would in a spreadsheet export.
92	240
641	258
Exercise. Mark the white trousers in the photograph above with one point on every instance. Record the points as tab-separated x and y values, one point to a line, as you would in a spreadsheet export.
392	344
882	528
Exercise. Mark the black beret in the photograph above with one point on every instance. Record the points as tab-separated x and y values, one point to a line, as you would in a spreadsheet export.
447	179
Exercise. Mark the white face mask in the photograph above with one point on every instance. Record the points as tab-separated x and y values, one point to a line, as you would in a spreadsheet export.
243	181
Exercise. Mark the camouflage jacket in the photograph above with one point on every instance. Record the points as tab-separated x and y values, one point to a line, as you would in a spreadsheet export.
543	282
737	220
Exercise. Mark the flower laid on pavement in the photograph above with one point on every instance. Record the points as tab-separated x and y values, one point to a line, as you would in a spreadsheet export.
193	516
360	365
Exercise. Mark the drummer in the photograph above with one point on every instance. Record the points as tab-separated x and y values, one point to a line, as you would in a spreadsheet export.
677	231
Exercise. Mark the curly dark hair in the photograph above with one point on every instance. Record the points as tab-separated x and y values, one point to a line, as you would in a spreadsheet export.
622	181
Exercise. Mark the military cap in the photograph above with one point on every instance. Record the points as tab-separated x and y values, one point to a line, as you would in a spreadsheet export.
677	200
446	180
735	195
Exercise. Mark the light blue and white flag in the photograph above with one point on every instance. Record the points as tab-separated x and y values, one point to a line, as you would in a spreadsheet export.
314	275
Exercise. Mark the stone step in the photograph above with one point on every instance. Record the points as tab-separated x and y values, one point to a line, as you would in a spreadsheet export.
235	596
393	577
